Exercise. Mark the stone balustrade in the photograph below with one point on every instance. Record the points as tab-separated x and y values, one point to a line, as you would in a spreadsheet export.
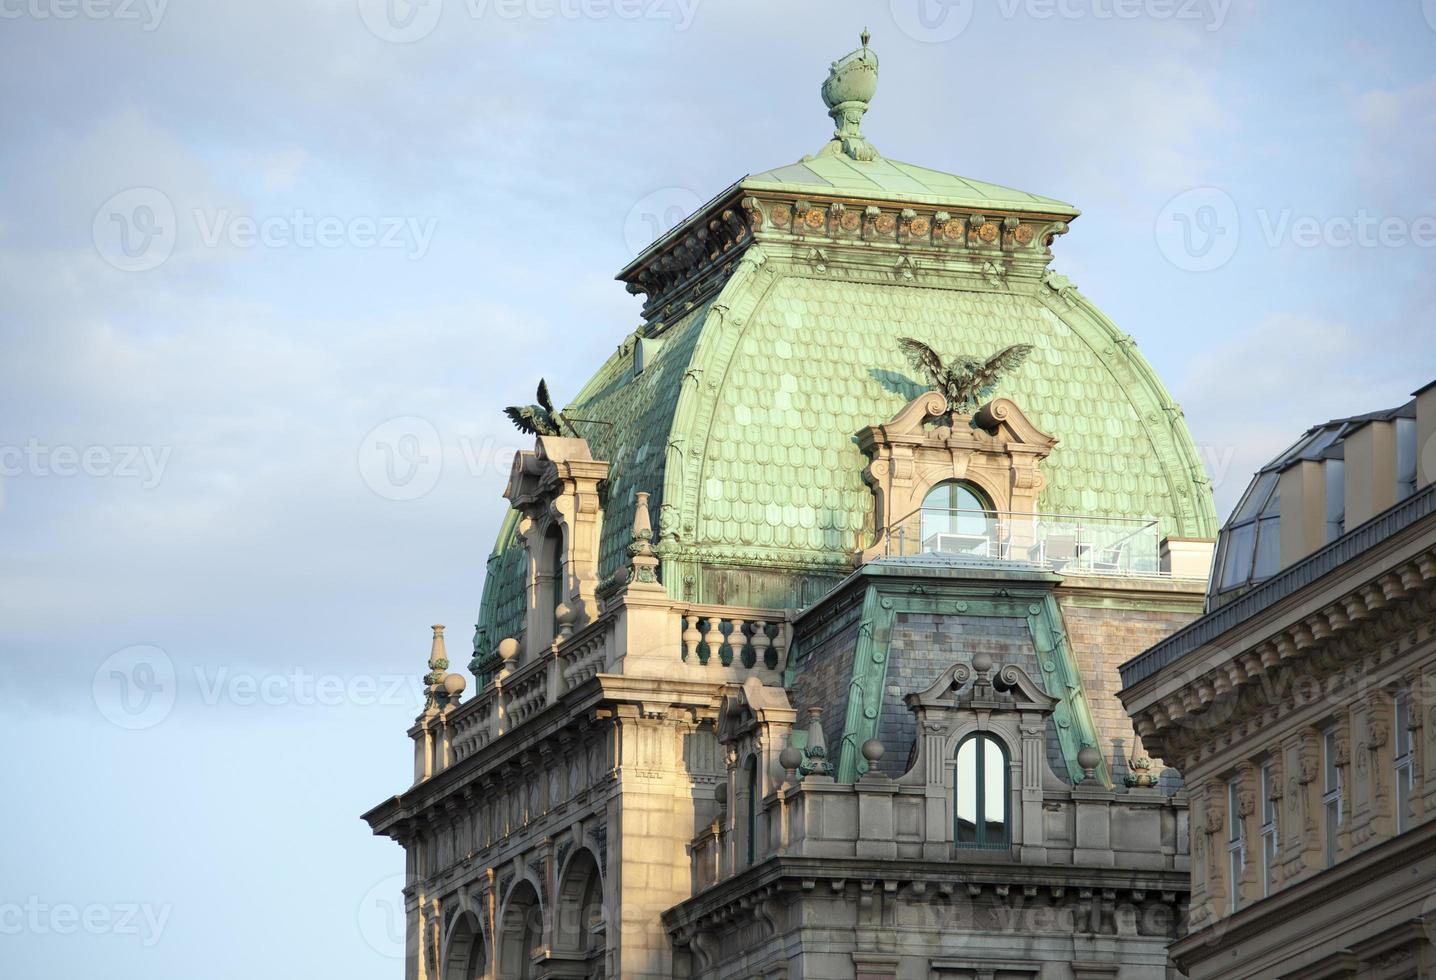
717	644
735	641
878	818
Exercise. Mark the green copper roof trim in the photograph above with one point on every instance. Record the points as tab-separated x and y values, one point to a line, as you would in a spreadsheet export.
1032	602
892	180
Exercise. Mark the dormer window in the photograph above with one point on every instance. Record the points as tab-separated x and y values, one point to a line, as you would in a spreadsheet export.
981	789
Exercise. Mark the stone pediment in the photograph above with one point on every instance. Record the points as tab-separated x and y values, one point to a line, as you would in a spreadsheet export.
998	423
997	449
960	685
533	473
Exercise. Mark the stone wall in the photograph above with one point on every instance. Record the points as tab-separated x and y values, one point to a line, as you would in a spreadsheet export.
1103	635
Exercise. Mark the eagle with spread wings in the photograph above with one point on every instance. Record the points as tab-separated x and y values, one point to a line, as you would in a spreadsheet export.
965	381
537	420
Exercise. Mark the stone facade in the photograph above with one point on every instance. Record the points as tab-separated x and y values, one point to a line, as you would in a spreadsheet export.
1300	716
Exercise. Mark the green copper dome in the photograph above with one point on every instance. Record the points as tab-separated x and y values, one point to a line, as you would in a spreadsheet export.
770	339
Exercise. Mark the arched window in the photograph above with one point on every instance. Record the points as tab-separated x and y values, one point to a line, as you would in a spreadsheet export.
956	516
981	792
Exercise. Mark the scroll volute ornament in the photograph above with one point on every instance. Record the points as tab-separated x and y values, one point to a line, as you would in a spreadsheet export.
996	448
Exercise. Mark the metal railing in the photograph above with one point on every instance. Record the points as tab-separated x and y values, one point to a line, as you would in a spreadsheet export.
1068	543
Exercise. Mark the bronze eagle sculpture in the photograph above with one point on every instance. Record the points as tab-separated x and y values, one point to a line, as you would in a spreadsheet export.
537	420
965	381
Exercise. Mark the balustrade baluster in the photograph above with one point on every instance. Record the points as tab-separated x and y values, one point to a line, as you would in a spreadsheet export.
780	645
713	640
736	642
761	643
691	636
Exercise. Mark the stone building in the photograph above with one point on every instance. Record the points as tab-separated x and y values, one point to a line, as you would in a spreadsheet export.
1296	708
797	653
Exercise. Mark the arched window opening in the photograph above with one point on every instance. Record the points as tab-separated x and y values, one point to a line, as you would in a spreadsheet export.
466	958
548	585
958	517
580	926
521	934
981	792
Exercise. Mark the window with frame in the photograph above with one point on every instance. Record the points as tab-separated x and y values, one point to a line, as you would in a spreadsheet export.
1236	842
981	793
956	515
1331	798
1268	830
1404	742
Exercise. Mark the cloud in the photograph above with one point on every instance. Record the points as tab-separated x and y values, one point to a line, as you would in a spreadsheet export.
1249	397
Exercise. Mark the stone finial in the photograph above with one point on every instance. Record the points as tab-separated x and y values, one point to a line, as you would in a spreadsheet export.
564	617
508	654
1088	758
851	83
817	763
438	667
873	752
642	562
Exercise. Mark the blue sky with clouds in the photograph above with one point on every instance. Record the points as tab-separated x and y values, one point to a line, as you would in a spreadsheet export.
239	240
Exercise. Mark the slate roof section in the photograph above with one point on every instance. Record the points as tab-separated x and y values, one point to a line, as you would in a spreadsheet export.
819	360
774	400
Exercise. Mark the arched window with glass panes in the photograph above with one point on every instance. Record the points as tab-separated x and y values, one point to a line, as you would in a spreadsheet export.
957	517
981	791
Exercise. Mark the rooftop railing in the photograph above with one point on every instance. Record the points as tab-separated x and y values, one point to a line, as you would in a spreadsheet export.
1068	543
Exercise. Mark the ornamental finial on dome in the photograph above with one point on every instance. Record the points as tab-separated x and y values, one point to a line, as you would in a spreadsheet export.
852	80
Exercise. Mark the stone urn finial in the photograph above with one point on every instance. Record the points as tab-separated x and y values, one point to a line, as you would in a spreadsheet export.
1140	773
851	84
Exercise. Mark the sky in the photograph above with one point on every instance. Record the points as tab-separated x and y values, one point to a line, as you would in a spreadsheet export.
270	268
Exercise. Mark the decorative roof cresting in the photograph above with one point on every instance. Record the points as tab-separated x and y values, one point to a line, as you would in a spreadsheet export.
852	80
